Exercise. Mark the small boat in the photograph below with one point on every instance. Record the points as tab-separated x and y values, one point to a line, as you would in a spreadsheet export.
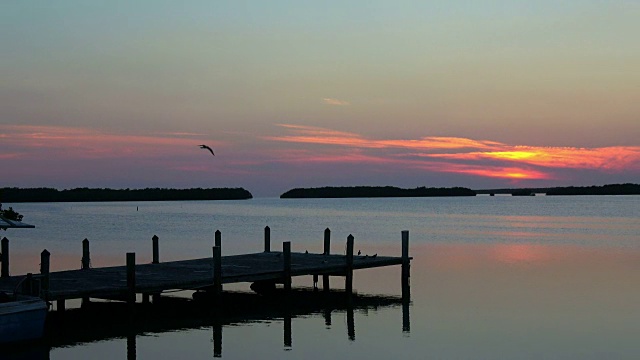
21	318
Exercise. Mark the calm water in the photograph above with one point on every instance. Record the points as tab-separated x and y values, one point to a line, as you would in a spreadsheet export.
492	277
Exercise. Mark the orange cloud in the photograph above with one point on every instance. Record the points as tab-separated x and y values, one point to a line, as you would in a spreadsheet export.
610	158
315	135
467	156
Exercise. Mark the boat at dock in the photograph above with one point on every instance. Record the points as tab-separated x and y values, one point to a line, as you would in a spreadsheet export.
21	318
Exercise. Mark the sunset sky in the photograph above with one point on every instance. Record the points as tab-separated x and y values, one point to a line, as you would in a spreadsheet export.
480	94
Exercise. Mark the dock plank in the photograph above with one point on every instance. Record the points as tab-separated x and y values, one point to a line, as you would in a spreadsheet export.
111	282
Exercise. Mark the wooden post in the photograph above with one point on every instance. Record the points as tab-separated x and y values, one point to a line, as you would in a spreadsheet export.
406	290
86	264
4	258
267	239
155	259
348	285
217	270
326	250
86	255
405	256
218	240
131	279
156	250
27	286
45	258
155	242
286	249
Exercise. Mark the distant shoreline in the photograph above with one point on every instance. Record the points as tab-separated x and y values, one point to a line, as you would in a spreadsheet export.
610	189
24	195
390	191
20	195
374	192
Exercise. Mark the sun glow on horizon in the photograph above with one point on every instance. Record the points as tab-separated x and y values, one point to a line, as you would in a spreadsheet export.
40	151
483	158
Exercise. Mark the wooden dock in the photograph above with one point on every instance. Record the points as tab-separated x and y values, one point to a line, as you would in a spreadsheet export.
209	274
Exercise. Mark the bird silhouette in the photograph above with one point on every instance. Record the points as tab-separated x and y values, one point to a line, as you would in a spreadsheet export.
359	252
208	148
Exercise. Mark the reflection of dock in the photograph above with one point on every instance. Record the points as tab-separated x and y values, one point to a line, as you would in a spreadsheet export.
99	321
124	282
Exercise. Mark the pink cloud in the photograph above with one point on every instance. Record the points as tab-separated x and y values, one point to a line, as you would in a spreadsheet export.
483	158
89	143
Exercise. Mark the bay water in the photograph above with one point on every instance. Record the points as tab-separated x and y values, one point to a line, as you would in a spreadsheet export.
491	278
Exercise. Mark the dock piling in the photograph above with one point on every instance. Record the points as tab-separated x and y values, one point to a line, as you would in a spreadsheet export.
45	261
218	239
155	250
86	255
267	239
131	279
326	250
406	265
86	264
4	258
349	270
217	270
286	249
27	285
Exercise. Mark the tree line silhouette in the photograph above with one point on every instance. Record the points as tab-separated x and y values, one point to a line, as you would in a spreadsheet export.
14	194
374	191
611	189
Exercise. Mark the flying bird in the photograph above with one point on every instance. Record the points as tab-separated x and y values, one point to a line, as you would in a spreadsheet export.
208	148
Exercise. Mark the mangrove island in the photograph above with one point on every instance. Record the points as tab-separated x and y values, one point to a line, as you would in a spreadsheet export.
13	194
373	192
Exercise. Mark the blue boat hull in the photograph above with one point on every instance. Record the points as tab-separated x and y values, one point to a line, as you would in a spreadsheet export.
22	320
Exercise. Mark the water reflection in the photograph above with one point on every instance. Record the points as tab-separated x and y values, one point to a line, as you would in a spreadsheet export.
100	321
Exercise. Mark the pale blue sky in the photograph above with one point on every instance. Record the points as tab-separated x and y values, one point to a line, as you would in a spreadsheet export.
536	73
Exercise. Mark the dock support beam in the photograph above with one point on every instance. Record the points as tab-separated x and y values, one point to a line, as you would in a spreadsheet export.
286	249
348	284
217	270
326	250
86	264
406	289
267	239
406	266
4	258
45	261
155	250
86	255
218	240
131	279
155	259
